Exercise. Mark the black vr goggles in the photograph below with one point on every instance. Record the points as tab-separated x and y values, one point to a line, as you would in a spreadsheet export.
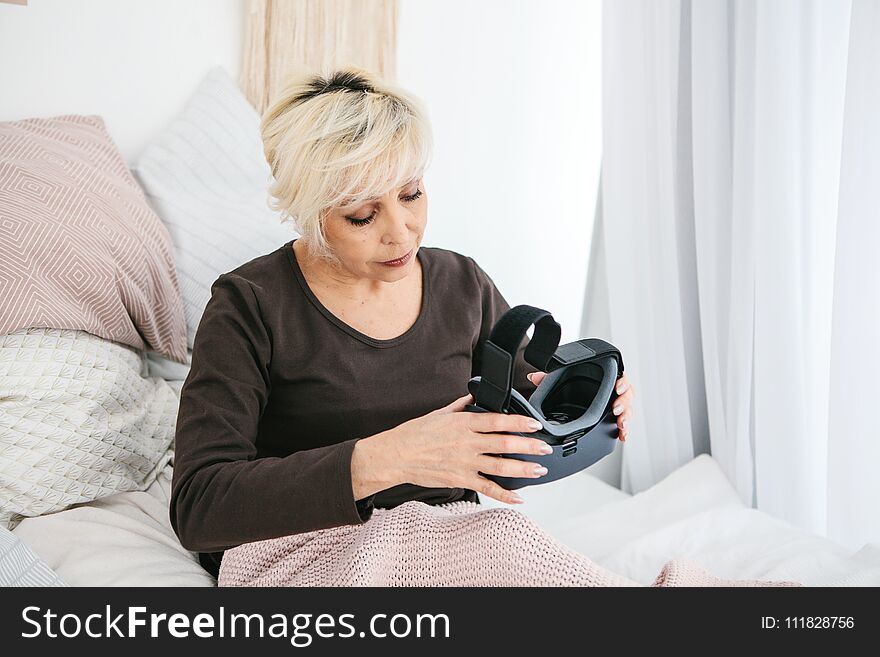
573	403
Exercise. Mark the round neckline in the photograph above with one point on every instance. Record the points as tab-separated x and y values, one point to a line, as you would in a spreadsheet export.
363	337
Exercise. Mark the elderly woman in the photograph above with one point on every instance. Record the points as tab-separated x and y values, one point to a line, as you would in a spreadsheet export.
328	377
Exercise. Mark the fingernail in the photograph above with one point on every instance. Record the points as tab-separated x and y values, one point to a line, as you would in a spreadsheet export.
622	389
546	449
540	470
529	376
624	423
534	424
517	499
617	409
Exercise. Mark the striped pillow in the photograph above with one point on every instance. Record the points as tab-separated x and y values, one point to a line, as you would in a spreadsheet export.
19	566
79	246
207	178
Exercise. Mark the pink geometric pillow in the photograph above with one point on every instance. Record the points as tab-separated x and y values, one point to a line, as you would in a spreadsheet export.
79	246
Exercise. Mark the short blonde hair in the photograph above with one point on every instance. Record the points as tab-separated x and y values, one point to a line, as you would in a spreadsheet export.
340	139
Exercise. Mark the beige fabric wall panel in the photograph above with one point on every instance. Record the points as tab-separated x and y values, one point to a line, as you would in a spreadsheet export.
282	35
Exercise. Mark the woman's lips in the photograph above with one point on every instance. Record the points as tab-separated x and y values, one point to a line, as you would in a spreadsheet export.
399	262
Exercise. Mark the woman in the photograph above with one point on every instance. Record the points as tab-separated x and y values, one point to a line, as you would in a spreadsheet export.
322	373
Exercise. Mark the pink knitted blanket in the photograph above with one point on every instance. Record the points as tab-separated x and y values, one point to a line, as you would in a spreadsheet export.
455	544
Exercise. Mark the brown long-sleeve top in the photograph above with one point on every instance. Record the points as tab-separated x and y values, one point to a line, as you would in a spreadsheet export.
280	390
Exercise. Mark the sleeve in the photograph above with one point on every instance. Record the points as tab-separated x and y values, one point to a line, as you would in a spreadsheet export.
494	305
222	495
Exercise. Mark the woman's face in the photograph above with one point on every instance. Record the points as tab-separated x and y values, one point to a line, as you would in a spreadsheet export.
365	236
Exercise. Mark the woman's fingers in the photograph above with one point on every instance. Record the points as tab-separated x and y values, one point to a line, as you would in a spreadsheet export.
460	403
503	443
502	467
499	422
622	408
624	399
622	420
623	405
457	405
536	377
491	489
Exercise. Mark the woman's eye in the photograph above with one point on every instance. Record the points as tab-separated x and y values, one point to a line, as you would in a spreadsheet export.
356	221
361	222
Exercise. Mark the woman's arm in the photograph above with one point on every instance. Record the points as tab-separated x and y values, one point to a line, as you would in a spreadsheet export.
222	494
374	466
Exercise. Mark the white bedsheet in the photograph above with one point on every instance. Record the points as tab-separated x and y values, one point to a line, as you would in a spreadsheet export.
695	513
121	540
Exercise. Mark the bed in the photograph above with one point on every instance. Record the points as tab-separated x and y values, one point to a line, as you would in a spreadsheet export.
205	178
127	540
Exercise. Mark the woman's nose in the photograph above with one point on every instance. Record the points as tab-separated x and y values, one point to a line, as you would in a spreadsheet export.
398	229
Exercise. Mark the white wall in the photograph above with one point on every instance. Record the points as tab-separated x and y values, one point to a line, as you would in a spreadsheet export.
514	91
513	88
133	62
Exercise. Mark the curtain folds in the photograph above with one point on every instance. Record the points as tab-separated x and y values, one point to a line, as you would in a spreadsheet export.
739	218
853	438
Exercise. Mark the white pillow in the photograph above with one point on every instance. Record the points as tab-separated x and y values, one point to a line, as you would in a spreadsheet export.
207	179
79	421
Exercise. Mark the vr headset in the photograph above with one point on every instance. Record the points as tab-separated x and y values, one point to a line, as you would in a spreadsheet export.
573	403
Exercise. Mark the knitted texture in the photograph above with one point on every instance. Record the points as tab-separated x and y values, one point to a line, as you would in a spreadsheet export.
454	544
681	572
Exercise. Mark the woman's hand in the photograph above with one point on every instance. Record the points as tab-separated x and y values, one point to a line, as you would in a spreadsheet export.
450	447
622	405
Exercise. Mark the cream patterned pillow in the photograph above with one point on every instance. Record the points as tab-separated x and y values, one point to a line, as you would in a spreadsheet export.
79	420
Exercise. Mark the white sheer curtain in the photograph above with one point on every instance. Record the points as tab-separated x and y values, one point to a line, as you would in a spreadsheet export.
854	436
735	281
